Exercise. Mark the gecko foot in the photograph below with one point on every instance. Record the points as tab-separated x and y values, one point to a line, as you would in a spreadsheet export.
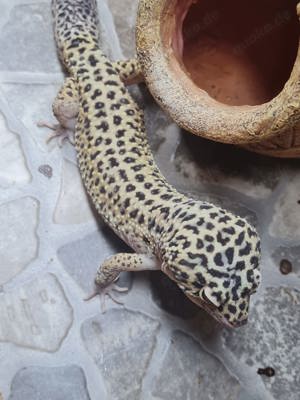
107	292
60	133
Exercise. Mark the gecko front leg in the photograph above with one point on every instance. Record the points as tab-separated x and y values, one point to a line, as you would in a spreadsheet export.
110	270
113	266
66	104
65	108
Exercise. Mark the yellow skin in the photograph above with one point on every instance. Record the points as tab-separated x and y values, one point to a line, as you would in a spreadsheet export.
210	253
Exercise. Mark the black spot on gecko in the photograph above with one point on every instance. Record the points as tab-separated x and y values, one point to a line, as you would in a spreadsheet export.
113	162
95	155
99	105
111	71
199	244
192	228
229	254
103	126
111	83
141	196
101	114
218	260
188	264
92	60
246	250
209	238
87	88
130	188
240	239
117	120
133	214
120	133
111	95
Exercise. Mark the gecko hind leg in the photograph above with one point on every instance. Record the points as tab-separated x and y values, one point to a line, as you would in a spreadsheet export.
60	133
130	71
109	272
65	108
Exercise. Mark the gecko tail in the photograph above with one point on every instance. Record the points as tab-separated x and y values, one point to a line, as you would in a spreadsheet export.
74	20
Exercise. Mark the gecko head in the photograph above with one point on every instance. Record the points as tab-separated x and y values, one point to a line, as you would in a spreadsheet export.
213	256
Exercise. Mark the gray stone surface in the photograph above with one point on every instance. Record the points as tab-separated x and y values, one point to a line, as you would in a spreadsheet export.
34	48
96	249
271	339
286	219
30	102
72	206
189	372
36	315
40	383
18	241
13	169
124	14
157	345
121	344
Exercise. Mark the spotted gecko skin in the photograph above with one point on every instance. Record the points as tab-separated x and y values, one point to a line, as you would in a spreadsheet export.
211	254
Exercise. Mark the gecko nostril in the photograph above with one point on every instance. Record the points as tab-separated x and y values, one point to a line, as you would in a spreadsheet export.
243	322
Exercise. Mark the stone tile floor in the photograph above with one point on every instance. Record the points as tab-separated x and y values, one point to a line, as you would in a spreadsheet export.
53	345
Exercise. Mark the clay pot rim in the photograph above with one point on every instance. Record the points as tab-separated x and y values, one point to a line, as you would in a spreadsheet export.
191	107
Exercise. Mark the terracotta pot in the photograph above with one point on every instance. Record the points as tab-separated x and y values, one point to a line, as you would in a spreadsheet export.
227	70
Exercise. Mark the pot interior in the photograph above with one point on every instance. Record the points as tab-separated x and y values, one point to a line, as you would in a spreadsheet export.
239	52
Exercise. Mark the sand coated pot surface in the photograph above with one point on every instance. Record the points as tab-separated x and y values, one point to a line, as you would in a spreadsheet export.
227	70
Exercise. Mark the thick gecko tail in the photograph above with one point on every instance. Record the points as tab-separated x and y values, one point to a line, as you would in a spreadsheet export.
74	20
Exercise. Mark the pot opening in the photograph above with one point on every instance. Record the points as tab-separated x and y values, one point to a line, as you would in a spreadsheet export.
239	52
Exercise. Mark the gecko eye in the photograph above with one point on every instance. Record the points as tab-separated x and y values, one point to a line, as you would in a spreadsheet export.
208	299
183	288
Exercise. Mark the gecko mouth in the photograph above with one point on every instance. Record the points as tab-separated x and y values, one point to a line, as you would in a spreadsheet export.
239	52
214	312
